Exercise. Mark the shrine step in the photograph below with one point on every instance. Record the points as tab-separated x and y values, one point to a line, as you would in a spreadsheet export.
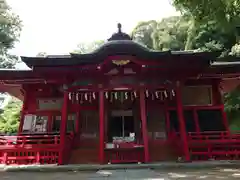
84	156
163	152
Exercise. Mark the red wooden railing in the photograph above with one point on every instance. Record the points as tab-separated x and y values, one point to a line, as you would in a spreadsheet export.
32	149
125	153
214	145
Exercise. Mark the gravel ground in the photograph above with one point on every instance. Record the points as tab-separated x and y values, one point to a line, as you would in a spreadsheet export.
143	174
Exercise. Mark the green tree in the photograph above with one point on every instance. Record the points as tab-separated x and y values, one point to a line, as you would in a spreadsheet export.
223	15
170	33
143	32
10	28
83	48
41	54
9	119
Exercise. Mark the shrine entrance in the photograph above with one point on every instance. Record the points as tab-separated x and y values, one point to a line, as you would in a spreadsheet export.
123	131
121	125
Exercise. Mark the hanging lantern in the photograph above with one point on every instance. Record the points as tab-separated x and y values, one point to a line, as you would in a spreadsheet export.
165	94
156	94
116	95
77	96
147	93
173	92
126	95
69	96
94	95
106	95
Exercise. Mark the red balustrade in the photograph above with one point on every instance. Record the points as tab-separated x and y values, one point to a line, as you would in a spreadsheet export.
125	155
32	149
214	145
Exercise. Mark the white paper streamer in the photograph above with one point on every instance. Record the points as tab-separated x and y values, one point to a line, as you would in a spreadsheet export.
165	94
86	96
126	95
135	94
77	96
147	93
106	95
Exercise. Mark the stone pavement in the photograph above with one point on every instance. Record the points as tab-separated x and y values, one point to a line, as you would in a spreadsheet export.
128	174
96	167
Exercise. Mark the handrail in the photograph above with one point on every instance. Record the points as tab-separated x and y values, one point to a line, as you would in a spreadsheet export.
24	140
212	135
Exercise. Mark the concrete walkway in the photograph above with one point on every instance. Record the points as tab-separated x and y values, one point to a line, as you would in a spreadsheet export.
96	167
129	174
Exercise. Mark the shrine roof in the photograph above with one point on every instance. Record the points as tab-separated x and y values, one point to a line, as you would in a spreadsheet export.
118	48
224	67
119	44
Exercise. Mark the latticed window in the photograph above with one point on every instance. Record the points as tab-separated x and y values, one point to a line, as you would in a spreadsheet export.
35	123
71	123
89	122
156	124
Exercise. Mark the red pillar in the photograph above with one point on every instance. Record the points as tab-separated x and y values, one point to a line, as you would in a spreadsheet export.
167	118
101	127
20	128
225	119
63	127
195	116
144	125
77	127
183	132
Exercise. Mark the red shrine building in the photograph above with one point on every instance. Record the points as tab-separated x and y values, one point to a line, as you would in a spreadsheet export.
121	103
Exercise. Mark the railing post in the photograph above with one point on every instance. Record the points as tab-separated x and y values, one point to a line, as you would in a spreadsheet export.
56	138
144	124
180	113
63	128
5	158
38	157
224	119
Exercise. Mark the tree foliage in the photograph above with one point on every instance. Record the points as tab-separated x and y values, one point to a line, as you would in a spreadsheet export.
219	16
41	54
180	33
83	48
9	118
10	28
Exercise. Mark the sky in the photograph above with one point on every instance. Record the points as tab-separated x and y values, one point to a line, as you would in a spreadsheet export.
57	26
